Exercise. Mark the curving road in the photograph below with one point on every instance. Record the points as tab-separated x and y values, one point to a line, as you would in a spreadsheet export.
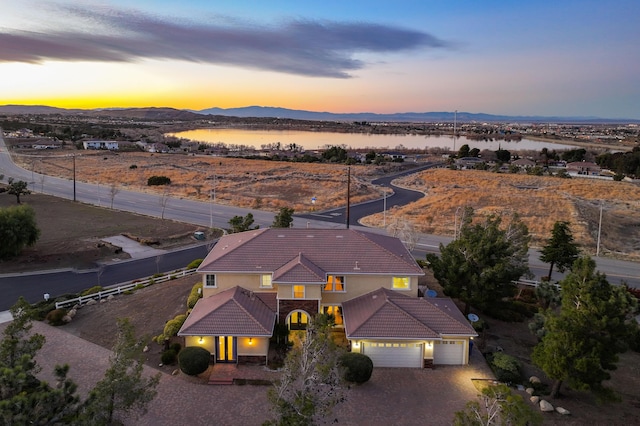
33	286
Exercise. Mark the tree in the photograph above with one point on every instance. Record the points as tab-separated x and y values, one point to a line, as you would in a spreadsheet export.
113	191
581	343
503	155
311	383
241	224
18	229
284	218
24	399
464	151
123	388
479	267
560	250
497	406
18	188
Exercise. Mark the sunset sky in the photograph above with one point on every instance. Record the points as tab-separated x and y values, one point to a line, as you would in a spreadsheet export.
549	58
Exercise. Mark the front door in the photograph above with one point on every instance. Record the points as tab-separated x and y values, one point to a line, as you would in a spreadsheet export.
225	349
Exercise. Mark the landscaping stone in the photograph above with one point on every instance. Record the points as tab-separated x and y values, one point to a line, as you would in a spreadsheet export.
535	399
563	411
530	391
534	380
546	406
91	302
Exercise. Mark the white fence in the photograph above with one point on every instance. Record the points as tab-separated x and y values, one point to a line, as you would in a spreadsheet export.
122	288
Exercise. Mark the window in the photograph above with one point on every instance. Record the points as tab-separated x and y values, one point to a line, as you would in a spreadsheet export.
401	283
210	281
334	283
298	292
334	310
265	281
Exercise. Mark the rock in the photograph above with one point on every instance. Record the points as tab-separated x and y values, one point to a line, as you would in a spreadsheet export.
110	297
145	349
175	372
530	391
103	300
545	406
160	365
91	302
66	319
534	399
534	380
72	313
520	387
563	411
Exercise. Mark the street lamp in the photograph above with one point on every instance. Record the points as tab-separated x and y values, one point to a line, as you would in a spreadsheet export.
455	224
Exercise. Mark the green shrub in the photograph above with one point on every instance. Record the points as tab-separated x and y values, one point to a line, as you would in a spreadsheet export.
158	180
194	263
176	347
168	357
505	367
194	360
358	367
55	317
194	296
93	290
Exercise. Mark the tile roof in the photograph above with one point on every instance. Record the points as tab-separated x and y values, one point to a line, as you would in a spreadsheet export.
333	251
233	312
385	313
299	270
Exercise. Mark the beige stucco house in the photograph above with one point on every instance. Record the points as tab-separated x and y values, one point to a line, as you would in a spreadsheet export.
368	281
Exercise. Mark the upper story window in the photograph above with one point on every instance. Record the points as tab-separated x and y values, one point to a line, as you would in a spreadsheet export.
298	292
401	283
265	281
210	280
334	283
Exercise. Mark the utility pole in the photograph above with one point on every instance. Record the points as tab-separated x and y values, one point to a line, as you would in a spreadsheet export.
599	230
348	193
74	177
455	127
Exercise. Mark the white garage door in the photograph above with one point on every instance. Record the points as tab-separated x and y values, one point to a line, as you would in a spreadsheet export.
386	354
450	352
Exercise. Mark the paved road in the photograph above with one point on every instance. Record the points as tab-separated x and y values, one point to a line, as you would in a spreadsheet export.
209	214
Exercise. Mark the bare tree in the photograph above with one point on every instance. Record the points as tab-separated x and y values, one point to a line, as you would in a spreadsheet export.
405	231
164	199
113	191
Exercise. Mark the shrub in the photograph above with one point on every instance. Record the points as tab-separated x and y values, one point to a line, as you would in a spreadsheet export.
358	367
194	263
168	357
505	367
133	166
93	290
194	296
176	347
194	360
171	328
55	317
158	180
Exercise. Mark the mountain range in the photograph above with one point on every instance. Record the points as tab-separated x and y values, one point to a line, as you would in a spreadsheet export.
275	112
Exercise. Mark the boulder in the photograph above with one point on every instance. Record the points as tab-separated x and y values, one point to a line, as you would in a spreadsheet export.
563	411
534	380
66	319
145	349
72	313
545	406
175	372
103	300
91	302
110	298
530	391
534	399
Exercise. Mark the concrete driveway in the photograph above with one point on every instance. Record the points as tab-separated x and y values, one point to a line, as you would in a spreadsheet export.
392	396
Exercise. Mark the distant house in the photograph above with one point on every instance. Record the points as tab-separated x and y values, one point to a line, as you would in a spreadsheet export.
368	282
46	144
524	163
468	162
583	168
108	145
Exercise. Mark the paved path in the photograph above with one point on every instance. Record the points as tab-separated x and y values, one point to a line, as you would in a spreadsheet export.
392	396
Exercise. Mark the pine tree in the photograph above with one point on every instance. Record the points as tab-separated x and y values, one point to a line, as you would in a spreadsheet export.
560	250
284	218
582	342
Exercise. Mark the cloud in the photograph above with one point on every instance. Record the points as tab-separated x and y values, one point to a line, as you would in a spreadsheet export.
303	47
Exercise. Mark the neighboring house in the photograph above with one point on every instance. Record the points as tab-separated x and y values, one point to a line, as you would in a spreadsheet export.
583	168
254	279
468	162
524	163
110	145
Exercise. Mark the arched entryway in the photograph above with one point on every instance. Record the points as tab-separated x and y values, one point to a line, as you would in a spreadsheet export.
298	320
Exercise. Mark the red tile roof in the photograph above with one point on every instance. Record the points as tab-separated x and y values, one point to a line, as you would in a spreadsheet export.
332	251
233	312
388	314
299	270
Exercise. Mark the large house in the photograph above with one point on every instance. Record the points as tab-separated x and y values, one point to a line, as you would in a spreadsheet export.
369	282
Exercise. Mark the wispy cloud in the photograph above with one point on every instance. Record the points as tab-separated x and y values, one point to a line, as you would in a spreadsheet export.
304	47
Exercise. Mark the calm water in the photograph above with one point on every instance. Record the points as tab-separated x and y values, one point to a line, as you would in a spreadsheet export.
319	140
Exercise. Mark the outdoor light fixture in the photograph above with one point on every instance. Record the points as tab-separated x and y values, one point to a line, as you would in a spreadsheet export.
251	340
201	340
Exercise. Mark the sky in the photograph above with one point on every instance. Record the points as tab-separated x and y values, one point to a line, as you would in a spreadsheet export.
578	58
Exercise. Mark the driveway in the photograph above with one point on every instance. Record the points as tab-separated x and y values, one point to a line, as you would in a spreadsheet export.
392	396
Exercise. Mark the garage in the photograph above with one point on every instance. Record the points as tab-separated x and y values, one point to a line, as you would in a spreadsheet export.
392	354
448	352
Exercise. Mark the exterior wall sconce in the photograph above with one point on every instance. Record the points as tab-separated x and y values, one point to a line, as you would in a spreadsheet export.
251	340
201	340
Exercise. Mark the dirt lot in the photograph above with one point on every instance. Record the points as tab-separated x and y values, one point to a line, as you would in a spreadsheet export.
71	233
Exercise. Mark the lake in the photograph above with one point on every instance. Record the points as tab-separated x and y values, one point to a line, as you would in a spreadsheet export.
320	140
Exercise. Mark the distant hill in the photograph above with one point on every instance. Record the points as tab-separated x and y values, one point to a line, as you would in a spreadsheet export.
153	113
